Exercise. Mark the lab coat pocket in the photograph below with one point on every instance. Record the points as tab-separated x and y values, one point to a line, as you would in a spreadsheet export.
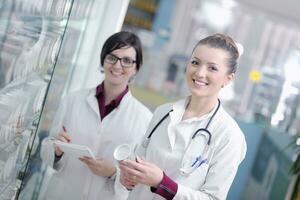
195	166
196	178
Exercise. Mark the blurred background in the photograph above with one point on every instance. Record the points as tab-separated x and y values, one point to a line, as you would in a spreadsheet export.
49	48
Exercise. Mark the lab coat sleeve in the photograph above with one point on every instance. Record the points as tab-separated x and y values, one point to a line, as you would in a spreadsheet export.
120	191
47	147
222	170
151	122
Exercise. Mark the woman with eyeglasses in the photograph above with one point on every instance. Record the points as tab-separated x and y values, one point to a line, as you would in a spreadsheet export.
193	147
100	118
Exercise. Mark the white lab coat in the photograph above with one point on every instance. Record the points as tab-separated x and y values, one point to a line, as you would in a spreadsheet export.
211	180
79	113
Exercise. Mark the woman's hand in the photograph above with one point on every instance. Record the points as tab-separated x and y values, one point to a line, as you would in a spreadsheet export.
127	182
99	167
63	136
141	171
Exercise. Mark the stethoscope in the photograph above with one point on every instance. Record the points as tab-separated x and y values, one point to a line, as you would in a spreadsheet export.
193	163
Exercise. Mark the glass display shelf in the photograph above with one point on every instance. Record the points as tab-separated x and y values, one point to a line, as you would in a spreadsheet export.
31	34
43	43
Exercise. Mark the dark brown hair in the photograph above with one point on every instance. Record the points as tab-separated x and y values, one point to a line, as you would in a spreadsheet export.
222	41
120	40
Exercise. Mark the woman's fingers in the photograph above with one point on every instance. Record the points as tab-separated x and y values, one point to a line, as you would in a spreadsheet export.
127	180
142	172
132	174
142	161
127	183
129	170
99	167
89	161
58	151
63	136
139	166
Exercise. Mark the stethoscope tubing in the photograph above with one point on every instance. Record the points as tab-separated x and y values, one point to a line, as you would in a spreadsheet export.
196	132
198	160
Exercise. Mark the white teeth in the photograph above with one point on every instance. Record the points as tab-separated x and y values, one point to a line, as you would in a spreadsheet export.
200	83
116	73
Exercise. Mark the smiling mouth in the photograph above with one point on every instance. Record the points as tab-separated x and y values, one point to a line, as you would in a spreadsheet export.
116	73
199	82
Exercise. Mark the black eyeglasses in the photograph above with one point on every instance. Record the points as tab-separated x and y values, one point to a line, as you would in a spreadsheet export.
126	62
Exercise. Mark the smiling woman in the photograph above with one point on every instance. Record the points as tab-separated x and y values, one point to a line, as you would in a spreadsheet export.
193	147
101	119
207	72
118	74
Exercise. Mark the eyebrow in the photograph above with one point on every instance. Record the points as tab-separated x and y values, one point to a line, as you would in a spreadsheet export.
195	58
121	57
207	63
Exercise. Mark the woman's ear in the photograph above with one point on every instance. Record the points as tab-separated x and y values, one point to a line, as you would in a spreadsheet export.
131	79
230	77
135	71
102	69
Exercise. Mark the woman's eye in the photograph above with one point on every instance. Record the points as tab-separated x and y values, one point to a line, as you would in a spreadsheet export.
213	68
127	60
194	62
111	57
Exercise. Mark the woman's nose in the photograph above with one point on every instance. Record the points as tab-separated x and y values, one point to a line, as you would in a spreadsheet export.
118	64
200	71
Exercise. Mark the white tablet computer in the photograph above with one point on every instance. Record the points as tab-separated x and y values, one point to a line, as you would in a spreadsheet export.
75	149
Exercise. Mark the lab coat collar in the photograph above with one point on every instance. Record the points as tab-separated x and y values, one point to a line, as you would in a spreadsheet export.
179	109
175	118
177	114
93	103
